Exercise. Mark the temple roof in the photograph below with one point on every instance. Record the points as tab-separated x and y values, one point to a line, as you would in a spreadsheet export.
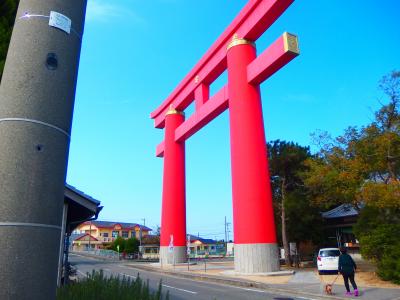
203	241
344	210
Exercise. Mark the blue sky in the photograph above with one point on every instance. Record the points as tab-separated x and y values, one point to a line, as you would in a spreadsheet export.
134	54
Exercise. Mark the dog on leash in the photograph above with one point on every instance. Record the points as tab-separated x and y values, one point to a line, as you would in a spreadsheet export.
329	286
328	289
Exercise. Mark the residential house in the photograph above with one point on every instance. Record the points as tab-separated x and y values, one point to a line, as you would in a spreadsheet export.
150	247
201	247
105	232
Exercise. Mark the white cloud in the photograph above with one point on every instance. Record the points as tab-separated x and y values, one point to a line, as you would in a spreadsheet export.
104	11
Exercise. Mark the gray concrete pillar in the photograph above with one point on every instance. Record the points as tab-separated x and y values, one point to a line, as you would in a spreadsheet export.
36	104
177	256
256	258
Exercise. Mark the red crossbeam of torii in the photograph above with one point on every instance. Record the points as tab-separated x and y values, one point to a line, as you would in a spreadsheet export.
254	19
234	50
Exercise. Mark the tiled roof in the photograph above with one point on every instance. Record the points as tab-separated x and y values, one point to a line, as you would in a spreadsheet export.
344	210
204	241
111	224
75	236
72	188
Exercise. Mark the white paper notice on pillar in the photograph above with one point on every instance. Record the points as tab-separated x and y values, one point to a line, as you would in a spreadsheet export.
188	245
60	21
171	244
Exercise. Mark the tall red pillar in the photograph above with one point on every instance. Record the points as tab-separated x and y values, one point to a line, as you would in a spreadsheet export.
173	215
253	218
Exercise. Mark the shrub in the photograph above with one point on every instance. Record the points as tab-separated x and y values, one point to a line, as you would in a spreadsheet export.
389	265
131	245
378	231
119	241
98	287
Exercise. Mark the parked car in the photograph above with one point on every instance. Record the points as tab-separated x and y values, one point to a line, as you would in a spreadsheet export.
328	260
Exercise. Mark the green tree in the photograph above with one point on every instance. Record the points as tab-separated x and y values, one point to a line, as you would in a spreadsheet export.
8	10
378	231
132	245
362	167
298	220
119	241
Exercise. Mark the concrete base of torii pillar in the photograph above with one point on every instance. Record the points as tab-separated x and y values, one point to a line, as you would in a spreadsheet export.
177	256
256	258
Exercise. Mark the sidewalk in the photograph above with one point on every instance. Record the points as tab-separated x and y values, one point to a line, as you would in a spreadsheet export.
304	282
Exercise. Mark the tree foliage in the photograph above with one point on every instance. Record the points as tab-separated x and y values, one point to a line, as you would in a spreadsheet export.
363	165
119	241
298	219
132	245
8	9
378	231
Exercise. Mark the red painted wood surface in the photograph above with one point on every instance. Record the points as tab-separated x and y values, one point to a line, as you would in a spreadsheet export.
251	192
270	61
256	17
173	215
207	112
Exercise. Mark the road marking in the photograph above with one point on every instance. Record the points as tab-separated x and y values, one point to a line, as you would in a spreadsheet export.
83	274
127	275
123	274
84	256
247	289
175	288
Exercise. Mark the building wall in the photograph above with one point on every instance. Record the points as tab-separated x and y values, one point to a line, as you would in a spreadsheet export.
108	235
84	245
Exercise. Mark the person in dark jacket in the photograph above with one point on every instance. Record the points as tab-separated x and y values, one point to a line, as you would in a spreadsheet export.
347	268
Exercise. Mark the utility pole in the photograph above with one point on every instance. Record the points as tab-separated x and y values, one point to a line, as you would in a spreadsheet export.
90	234
226	239
140	236
226	235
37	96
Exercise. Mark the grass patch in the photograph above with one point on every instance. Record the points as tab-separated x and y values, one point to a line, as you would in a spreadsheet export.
98	287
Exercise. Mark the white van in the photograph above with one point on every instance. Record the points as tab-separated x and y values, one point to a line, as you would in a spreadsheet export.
328	260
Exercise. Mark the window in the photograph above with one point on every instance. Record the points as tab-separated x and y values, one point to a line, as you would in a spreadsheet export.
115	233
105	234
125	234
133	234
329	253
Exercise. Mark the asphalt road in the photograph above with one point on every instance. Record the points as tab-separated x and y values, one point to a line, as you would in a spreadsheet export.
179	288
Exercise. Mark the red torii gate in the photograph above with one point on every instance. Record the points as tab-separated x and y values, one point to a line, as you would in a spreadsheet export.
253	219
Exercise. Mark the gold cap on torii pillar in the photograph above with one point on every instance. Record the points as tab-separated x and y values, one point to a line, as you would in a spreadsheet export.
173	111
239	41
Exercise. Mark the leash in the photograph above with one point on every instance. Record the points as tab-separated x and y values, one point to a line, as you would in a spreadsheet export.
335	279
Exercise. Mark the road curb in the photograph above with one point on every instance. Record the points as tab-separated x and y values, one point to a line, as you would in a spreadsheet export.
233	282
